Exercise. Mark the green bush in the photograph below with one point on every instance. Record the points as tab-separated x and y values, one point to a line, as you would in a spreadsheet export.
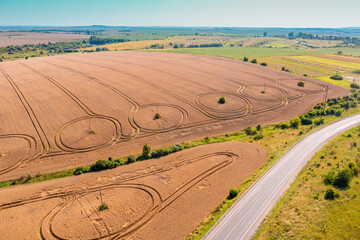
246	59
254	60
80	170
102	165
258	127
284	125
103	207
338	113
146	150
259	136
306	121
250	131
263	64
331	194
342	179
301	84
329	178
353	168
130	159
157	116
233	193
357	71
336	77
355	85
294	123
176	147
318	122
221	100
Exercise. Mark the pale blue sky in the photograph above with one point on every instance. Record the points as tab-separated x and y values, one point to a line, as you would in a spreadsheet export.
230	13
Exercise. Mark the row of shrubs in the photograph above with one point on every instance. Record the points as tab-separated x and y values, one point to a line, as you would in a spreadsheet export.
246	59
113	163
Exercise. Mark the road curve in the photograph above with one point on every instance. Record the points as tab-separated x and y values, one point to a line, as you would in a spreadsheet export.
243	219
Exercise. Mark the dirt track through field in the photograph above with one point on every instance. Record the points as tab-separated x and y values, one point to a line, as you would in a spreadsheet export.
83	107
153	199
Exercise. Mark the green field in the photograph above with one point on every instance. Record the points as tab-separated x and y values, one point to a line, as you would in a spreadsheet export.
303	213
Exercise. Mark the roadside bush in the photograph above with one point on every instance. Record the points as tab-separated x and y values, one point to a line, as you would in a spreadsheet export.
233	193
246	59
342	179
318	122
254	60
284	125
130	159
329	178
331	194
355	85
338	113
259	136
102	165
306	121
146	150
301	84
294	123
336	77
250	131
263	64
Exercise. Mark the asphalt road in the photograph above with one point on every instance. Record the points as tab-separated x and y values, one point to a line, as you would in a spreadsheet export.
246	215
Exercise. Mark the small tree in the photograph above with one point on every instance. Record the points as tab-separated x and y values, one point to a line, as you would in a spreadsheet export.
336	77
331	194
131	159
254	60
221	100
342	179
301	84
294	123
157	116
246	59
103	207
146	150
258	127
263	64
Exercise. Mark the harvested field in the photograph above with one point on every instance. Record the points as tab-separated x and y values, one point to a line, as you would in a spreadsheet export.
21	38
71	110
163	198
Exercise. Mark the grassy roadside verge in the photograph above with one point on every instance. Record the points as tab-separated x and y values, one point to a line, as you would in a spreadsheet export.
305	199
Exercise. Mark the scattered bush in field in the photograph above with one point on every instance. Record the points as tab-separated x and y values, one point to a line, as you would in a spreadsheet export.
254	60
331	194
221	100
342	179
250	131
336	77
259	136
305	75
301	84
263	64
25	57
318	122
246	59
338	113
353	168
159	153
355	85
1	60
103	207
146	150
233	193
301	132
102	165
262	91
284	125
258	127
357	71
130	159
80	170
282	68
157	116
294	123
306	121
110	158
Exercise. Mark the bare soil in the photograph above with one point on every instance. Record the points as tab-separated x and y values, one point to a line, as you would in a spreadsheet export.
164	198
66	111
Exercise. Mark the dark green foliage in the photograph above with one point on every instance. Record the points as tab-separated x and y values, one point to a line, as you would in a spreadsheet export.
336	77
259	136
130	159
205	45
338	113
146	150
176	147
353	168
301	132
284	125
282	68
81	170
102	165
355	85
254	60
331	194
246	59
250	131
157	116
294	123
301	84
342	179
233	193
329	178
258	127
263	64
318	122
306	121
102	41
221	100
103	207
357	71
